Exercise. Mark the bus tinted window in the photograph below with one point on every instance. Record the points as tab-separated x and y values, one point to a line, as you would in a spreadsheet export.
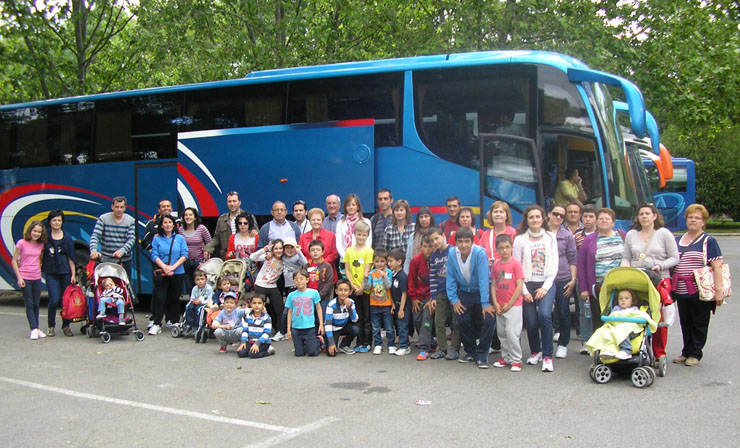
350	98
454	106
28	136
235	107
678	184
562	105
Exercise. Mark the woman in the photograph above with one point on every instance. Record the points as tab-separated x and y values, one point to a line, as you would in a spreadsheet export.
565	280
600	252
399	233
27	268
466	218
537	251
316	219
424	222
196	237
652	247
499	216
692	312
59	268
243	243
169	252
345	236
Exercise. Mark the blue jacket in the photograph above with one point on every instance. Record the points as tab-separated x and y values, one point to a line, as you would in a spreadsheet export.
161	249
479	276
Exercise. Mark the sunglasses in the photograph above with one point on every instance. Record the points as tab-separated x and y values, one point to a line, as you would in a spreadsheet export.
558	215
243	223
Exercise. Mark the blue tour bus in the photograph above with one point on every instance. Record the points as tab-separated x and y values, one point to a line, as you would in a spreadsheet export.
487	126
679	191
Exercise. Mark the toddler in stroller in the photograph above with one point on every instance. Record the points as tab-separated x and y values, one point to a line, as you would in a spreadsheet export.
111	295
201	295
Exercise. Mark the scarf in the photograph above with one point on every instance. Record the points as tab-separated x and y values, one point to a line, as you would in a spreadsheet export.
536	235
351	221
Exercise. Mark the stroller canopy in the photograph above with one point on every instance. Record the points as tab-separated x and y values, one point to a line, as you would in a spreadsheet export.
630	278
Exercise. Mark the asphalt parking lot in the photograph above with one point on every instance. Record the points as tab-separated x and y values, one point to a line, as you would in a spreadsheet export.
172	392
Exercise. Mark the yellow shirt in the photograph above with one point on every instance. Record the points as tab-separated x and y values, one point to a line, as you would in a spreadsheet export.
357	261
565	188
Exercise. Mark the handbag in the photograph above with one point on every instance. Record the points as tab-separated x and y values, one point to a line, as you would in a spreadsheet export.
705	278
159	272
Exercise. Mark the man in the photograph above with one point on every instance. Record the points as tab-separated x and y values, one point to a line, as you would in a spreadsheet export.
450	224
573	217
152	227
299	214
570	189
383	218
333	215
588	219
279	227
225	226
469	292
113	236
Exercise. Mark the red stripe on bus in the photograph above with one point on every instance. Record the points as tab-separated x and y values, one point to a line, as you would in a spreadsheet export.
350	123
436	209
205	201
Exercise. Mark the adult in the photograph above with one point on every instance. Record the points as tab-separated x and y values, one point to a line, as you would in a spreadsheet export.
650	246
244	242
697	249
225	226
345	234
58	266
565	280
600	252
316	218
113	236
466	219
397	234
537	251
27	268
573	217
152	226
278	228
499	216
570	189
469	293
196	237
169	252
588	219
424	222
450	224
383	218
573	213
333	216
299	216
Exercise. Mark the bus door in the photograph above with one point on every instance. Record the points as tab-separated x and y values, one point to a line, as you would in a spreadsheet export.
509	172
152	183
270	163
560	151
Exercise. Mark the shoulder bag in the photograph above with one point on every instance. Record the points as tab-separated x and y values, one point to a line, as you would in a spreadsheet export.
705	278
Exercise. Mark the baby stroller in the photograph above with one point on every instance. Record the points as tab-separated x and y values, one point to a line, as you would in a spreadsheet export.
643	364
231	269
212	268
110	324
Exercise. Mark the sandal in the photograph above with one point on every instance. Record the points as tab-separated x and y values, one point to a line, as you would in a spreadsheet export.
67	331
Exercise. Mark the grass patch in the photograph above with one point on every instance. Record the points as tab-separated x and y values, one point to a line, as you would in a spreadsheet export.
720	225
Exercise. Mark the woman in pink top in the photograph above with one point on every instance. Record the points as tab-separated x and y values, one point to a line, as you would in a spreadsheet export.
27	267
499	216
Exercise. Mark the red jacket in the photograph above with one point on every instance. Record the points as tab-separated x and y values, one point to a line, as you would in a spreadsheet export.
418	281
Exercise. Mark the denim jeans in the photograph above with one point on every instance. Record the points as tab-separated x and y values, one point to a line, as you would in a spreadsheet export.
305	341
110	300
473	326
381	316
562	308
423	322
56	284
246	353
538	320
32	298
403	324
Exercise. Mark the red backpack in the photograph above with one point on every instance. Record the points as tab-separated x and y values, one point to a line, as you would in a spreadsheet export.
74	305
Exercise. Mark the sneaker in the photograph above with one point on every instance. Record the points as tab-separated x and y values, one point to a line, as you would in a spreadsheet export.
377	350
347	350
362	348
556	337
122	322
562	352
150	324
403	351
482	364
277	337
623	355
466	358
41	334
34	334
534	359
680	360
691	361
583	350
501	362
100	316
271	350
50	333
155	329
222	349
422	356
547	365
169	324
437	354
392	350
452	355
516	367
67	332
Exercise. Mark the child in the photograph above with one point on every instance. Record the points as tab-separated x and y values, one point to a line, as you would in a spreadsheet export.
378	282
341	318
256	329
202	292
267	278
613	338
27	267
320	274
301	327
419	294
293	260
440	304
228	322
506	291
112	295
357	261
401	306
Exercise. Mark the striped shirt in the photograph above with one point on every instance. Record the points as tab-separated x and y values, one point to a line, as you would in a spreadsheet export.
110	236
609	251
196	240
337	316
692	257
256	329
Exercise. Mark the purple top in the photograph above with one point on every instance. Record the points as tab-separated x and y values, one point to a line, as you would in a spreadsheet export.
587	261
567	256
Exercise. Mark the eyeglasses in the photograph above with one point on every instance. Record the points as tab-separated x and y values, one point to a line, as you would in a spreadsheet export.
557	215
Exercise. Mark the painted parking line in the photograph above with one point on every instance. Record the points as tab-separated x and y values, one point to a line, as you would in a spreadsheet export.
286	432
18	314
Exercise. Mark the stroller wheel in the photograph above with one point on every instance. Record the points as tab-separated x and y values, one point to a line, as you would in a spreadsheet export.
641	377
601	373
105	337
139	335
651	371
91	331
83	329
662	366
198	332
176	331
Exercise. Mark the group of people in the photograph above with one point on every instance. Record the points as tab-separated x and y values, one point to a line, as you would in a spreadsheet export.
327	280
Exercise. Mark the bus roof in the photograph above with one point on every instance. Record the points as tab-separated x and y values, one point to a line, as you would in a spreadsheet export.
560	61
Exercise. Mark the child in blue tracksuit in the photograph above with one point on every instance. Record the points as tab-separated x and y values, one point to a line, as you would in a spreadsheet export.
202	292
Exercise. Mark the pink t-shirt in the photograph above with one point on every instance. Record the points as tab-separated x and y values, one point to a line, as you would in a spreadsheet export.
29	265
504	276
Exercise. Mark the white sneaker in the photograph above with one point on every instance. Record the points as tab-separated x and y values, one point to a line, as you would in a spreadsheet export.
149	324
41	334
556	337
561	352
403	351
271	350
392	350
583	350
278	337
34	334
377	350
547	365
623	355
155	329
535	358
